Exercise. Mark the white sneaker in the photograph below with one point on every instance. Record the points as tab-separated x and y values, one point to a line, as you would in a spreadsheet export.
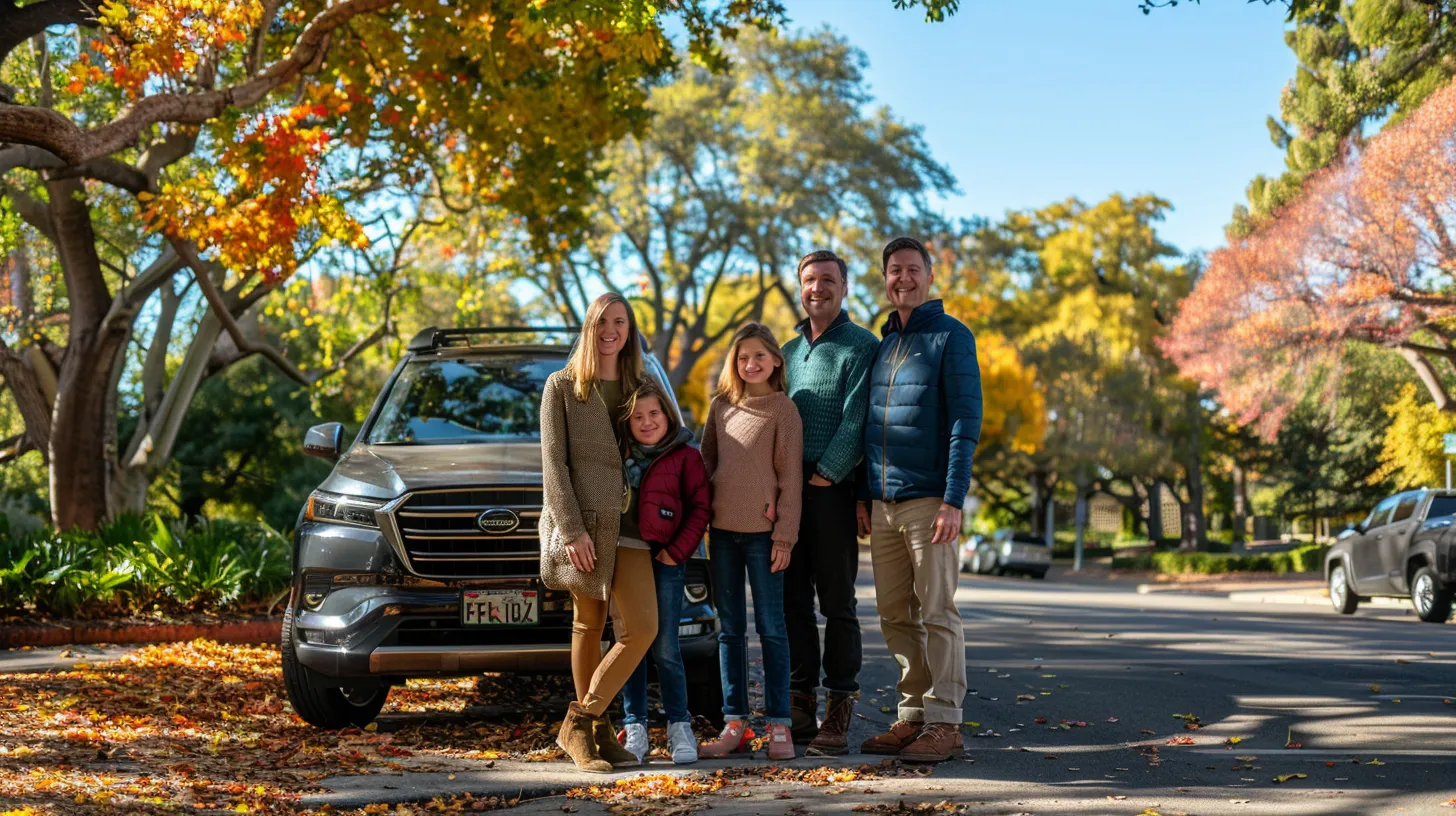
681	743
636	741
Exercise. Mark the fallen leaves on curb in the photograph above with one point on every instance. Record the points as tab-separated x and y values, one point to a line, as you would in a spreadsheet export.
206	726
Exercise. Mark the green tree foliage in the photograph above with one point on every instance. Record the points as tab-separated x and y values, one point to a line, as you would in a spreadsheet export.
1084	291
702	217
1363	64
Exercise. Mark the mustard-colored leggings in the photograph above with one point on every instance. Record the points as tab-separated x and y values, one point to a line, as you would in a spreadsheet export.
599	677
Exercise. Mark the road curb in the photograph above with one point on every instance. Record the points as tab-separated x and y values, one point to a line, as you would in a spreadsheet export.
259	630
1254	596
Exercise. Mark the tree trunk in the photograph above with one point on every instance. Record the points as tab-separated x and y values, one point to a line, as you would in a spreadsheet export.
1241	503
1194	533
78	443
1155	513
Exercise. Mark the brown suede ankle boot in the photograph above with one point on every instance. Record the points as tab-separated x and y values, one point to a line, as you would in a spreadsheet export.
605	738
802	710
833	736
576	740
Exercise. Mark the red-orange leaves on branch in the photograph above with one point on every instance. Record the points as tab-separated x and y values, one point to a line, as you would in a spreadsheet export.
1365	254
170	39
262	208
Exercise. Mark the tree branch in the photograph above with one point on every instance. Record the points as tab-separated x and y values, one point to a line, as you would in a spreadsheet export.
42	127
20	24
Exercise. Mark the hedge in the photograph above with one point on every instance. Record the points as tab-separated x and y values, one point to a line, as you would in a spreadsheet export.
1309	558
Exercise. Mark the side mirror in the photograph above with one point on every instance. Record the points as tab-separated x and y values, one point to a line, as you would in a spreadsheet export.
325	441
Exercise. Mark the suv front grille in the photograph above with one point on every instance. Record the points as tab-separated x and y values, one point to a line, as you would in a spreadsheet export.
439	534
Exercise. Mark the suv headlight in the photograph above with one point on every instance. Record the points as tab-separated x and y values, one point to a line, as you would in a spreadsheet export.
336	509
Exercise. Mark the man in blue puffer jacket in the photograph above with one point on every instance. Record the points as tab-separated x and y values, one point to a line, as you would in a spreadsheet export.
920	436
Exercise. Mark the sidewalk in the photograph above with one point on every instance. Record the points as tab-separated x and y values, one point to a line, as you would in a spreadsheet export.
1253	587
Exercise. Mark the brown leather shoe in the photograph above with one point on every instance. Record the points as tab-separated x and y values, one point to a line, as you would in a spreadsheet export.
576	740
802	710
937	743
892	742
833	736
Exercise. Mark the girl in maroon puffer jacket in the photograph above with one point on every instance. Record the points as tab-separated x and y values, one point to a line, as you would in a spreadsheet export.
667	513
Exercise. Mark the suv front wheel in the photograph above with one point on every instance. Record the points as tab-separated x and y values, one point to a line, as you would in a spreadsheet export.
1432	603
318	704
1342	595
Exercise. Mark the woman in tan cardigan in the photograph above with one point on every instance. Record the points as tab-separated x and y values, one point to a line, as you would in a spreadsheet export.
583	504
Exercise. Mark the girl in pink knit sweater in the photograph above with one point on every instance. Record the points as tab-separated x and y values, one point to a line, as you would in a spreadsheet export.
753	449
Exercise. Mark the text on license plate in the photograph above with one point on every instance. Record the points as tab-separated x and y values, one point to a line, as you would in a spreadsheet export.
518	607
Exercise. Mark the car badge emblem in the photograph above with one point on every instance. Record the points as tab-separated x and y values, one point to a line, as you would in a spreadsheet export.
497	521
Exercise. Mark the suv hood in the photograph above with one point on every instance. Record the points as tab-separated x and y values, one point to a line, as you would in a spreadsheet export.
386	471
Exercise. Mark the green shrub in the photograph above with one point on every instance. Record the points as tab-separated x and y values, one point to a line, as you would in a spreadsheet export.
1309	558
136	564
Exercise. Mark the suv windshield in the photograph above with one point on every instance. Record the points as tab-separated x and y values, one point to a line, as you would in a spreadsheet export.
454	401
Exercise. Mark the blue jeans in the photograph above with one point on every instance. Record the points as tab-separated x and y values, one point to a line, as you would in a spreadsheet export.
665	653
733	557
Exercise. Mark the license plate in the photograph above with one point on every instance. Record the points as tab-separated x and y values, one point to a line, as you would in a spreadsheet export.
520	607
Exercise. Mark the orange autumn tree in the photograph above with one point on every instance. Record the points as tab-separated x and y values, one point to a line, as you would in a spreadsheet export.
173	163
1365	254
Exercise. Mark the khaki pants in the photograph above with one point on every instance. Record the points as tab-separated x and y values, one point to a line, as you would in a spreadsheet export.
915	585
598	678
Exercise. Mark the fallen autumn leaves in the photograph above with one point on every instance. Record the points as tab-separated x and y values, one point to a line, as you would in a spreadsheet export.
203	725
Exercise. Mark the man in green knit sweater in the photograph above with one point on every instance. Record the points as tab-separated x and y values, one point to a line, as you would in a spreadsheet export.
828	368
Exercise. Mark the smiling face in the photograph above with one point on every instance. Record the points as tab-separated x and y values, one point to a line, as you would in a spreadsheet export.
907	280
755	362
821	290
612	330
648	422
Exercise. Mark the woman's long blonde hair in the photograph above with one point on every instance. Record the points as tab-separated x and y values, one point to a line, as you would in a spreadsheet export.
730	385
582	366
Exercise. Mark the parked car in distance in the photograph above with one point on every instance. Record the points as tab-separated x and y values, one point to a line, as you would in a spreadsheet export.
1005	552
419	555
1406	547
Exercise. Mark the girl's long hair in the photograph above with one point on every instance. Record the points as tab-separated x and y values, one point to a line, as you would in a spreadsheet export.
648	389
582	365
730	385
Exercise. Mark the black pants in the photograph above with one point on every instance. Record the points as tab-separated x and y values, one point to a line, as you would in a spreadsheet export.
824	565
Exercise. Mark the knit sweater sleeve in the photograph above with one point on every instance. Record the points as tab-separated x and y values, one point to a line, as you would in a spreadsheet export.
708	446
789	469
558	492
846	447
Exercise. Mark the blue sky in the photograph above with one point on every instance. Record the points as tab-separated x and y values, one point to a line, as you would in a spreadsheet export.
1031	101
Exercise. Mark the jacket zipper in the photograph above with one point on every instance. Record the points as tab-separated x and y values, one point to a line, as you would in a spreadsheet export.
885	424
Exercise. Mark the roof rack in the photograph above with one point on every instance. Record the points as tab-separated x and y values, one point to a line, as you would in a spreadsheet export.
432	338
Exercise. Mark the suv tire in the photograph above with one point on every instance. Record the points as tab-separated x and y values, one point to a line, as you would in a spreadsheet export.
318	704
1342	595
1432	603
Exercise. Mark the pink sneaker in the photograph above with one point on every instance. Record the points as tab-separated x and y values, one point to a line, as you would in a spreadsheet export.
735	737
780	742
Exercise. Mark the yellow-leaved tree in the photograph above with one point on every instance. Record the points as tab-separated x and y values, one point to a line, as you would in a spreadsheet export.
1413	450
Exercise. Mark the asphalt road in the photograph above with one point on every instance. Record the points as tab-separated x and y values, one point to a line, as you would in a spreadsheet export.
1365	698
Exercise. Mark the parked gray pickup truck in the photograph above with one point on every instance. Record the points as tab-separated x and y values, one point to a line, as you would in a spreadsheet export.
419	555
1406	547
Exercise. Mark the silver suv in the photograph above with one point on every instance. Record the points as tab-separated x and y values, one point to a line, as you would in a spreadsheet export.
419	555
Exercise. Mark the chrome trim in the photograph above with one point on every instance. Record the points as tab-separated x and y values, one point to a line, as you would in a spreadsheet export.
388	518
501	657
505	556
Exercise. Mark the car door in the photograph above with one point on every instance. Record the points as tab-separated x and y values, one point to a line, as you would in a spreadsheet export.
1395	540
1365	550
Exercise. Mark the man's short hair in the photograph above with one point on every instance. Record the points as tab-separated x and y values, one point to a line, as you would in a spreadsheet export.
903	242
824	255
